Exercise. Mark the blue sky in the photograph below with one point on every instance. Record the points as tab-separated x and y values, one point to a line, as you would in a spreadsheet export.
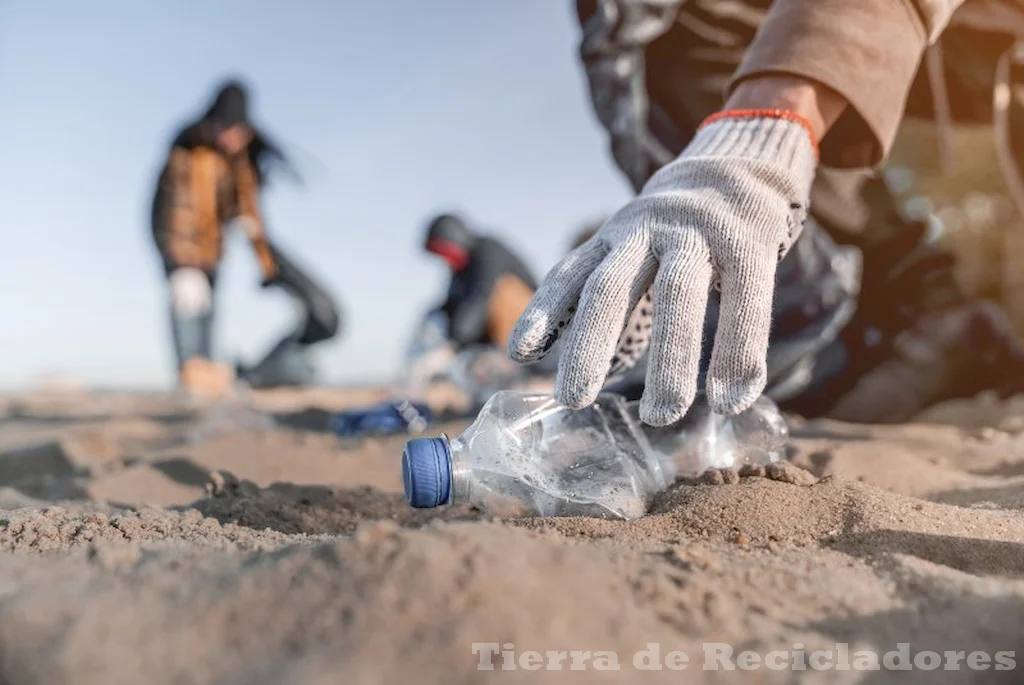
395	110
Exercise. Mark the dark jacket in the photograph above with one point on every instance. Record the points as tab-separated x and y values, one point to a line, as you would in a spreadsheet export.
487	297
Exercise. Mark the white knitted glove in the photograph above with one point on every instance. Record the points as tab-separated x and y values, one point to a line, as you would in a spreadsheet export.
191	294
724	212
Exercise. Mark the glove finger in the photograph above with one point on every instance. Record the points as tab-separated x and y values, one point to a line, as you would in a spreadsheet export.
680	301
554	303
609	296
739	371
635	338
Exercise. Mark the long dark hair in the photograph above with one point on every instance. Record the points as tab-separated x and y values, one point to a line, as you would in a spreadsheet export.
230	106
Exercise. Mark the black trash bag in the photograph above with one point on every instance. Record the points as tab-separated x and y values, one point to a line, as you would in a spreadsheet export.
289	362
322	321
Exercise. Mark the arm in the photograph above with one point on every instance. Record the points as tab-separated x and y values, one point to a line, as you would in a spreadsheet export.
249	214
478	314
468	314
176	215
823	79
845	66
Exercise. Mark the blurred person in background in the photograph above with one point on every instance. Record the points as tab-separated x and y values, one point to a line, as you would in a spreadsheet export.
460	344
747	129
489	286
214	174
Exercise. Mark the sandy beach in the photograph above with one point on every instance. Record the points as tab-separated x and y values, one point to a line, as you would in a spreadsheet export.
147	542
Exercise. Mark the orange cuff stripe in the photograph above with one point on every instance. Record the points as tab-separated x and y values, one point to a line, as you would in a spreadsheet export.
786	114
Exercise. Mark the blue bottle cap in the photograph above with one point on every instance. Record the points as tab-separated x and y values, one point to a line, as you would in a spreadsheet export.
427	472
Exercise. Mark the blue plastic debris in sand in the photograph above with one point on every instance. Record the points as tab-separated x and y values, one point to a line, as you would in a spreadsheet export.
389	418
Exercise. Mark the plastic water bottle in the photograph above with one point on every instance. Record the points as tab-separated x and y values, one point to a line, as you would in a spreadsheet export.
526	455
429	354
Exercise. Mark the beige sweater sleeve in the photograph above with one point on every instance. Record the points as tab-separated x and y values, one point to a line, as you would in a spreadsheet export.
935	14
866	50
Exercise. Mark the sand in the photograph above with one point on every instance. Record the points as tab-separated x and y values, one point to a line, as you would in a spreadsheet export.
144	541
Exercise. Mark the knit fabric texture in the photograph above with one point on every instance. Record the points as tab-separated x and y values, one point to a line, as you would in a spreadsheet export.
720	215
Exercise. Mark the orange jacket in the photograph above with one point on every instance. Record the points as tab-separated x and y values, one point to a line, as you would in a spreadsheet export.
199	191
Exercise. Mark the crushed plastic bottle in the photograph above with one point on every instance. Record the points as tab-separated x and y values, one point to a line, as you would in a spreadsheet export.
480	371
526	455
429	354
228	419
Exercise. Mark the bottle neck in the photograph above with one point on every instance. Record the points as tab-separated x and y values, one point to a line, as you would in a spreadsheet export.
461	471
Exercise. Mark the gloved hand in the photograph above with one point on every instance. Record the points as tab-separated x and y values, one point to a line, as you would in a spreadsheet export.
722	214
191	294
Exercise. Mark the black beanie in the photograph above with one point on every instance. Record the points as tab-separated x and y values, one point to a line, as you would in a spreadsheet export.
231	106
451	229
